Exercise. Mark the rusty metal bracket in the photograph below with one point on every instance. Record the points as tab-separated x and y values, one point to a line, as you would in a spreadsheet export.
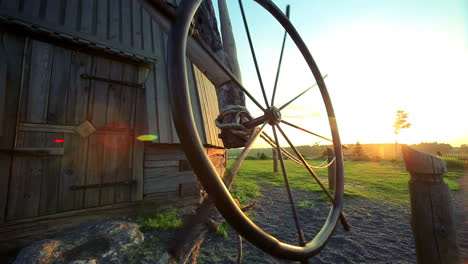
102	185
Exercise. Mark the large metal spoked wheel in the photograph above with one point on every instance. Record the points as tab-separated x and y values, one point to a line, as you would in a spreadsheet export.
211	181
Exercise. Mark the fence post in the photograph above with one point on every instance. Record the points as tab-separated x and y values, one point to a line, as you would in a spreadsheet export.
431	209
331	169
275	160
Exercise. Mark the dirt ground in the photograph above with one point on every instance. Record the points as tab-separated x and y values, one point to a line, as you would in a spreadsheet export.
379	233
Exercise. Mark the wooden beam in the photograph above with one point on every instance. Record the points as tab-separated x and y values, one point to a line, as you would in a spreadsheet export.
229	43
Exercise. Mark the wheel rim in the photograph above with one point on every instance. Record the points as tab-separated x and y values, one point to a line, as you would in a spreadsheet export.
191	143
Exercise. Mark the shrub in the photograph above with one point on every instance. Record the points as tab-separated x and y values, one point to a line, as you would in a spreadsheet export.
262	156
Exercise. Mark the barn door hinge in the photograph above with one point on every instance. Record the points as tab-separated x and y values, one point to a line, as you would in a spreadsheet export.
95	186
143	72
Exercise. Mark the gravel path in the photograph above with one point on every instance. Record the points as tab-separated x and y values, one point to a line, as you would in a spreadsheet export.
379	233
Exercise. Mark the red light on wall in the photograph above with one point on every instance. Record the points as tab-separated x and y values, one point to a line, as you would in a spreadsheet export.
59	140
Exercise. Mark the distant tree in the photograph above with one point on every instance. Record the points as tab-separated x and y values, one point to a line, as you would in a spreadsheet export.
464	148
401	122
263	156
358	150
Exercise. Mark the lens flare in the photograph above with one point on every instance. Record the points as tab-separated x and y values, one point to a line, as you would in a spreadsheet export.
59	140
147	137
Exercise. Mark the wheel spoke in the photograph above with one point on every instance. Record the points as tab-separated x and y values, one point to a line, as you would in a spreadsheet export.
305	130
236	166
314	175
288	189
280	60
253	52
305	91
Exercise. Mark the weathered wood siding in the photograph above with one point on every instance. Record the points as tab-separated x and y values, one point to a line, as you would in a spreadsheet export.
120	24
49	103
121	27
209	107
168	176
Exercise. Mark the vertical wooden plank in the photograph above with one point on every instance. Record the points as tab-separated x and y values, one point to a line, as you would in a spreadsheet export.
31	7
78	89
102	20
39	81
23	104
54	11
87	16
111	143
25	187
93	169
70	175
138	148
10	4
114	21
196	109
162	96
71	13
109	169
113	115
124	169
97	107
204	104
214	107
126	19
15	46
50	177
128	96
151	108
136	25
56	113
146	30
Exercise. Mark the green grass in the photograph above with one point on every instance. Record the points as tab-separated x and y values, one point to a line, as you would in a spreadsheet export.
245	191
306	204
223	229
162	221
378	180
453	163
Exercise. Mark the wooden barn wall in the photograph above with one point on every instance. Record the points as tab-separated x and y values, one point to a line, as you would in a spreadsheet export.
168	176
208	107
125	27
48	100
119	24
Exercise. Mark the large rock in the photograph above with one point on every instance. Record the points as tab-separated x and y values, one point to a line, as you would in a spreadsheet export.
95	242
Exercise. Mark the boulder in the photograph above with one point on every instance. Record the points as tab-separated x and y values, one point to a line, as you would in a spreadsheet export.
94	242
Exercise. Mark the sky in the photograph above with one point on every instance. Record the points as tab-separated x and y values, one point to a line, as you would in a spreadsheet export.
380	57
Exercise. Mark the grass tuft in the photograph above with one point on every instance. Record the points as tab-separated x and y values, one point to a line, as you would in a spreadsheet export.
164	221
223	229
245	190
306	205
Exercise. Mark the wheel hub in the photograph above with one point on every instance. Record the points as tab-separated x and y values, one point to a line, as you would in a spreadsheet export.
273	115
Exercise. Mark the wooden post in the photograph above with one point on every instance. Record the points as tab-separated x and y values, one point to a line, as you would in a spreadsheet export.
431	209
229	42
275	159
331	169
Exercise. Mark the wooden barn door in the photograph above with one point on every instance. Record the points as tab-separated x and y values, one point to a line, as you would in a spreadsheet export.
75	142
